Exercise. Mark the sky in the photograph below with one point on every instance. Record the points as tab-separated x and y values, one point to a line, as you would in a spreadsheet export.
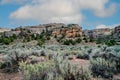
89	14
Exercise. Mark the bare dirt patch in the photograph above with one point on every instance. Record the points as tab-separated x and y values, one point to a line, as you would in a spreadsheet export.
116	77
11	76
81	62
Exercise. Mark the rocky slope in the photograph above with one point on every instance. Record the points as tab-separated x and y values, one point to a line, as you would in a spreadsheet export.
3	30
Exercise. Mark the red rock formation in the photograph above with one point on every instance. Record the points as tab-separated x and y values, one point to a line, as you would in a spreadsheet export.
70	32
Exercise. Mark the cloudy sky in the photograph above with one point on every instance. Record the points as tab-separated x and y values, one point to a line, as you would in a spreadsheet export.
88	14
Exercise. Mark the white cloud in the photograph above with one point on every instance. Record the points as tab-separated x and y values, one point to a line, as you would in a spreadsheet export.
106	26
67	11
101	26
14	1
106	12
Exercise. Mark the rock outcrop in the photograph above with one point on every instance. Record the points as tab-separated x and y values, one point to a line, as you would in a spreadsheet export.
97	33
69	32
3	30
117	29
63	30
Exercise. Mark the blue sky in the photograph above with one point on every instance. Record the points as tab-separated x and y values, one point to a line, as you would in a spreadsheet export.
88	14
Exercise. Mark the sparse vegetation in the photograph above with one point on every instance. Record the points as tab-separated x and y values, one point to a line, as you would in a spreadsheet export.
59	62
104	62
58	69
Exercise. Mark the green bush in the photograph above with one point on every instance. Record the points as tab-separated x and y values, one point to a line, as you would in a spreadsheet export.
41	42
28	39
110	42
14	36
66	42
1	65
33	36
92	40
72	42
79	40
48	37
6	41
85	39
99	41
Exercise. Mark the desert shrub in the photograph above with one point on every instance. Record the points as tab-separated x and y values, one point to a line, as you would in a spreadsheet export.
66	42
107	53
28	38
82	56
100	41
86	47
1	64
99	46
117	60
43	53
86	74
85	54
36	71
79	40
57	69
103	68
36	53
55	36
48	37
12	59
6	41
33	60
85	39
73	52
70	57
92	40
41	42
14	36
103	52
72	42
33	37
110	42
79	55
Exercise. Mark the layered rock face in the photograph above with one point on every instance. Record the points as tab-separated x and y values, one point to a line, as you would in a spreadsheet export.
45	27
11	33
117	29
34	29
63	30
68	31
97	33
116	34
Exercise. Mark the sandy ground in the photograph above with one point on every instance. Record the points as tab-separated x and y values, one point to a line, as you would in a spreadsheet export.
12	76
116	77
81	62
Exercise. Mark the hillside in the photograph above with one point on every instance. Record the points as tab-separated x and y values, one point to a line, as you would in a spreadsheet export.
3	30
69	34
